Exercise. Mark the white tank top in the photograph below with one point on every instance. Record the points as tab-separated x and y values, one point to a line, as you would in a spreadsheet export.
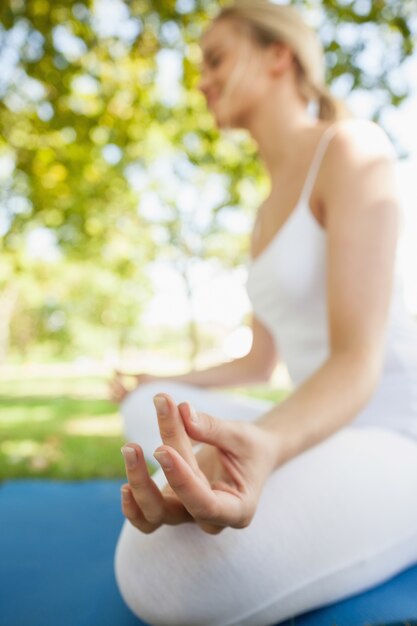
287	288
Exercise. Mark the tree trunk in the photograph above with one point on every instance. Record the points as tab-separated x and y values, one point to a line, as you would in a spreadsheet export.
8	301
192	326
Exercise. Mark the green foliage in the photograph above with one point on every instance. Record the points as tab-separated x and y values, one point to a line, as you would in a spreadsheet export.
378	24
87	135
77	308
54	428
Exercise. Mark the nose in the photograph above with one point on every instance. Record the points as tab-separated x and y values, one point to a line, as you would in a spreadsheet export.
203	84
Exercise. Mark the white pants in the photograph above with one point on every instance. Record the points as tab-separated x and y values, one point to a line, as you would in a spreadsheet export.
336	520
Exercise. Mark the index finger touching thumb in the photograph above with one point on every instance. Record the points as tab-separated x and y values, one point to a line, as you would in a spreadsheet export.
208	429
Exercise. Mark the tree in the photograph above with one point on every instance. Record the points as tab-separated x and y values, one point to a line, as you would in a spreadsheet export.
83	115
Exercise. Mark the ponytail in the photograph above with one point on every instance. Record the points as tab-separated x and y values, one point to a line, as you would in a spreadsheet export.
269	22
330	107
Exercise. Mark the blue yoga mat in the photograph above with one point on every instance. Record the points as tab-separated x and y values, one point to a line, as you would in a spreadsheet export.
57	543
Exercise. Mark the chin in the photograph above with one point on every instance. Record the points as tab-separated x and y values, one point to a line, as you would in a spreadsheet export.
226	122
228	119
233	125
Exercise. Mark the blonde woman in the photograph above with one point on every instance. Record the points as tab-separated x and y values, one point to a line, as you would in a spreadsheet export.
284	508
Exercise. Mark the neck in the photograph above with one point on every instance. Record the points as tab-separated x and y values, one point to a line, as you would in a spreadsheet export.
279	129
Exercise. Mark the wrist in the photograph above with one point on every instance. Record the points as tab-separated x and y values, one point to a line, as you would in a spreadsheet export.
277	448
145	378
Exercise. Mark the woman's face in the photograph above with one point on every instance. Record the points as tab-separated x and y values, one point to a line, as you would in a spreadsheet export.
233	73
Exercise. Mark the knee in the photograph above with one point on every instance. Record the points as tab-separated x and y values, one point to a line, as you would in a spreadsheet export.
140	402
143	395
156	577
131	570
145	589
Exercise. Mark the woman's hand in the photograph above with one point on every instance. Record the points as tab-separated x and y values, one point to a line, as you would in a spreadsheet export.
119	388
217	487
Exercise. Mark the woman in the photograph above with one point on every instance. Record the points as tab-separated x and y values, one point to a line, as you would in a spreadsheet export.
282	509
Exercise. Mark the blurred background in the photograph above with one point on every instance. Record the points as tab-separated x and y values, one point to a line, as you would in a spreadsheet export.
125	215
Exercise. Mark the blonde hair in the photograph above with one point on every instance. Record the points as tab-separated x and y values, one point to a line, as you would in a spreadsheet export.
267	23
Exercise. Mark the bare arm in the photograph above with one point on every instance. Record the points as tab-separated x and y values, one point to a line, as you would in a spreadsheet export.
362	211
257	366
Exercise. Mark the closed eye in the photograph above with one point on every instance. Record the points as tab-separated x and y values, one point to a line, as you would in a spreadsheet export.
215	61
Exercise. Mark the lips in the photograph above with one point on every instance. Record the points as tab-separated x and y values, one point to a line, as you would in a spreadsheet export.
212	99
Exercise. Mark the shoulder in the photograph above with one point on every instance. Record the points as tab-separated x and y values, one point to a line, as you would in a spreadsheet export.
355	141
358	167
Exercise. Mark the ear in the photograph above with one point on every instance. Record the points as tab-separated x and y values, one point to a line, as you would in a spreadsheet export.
281	58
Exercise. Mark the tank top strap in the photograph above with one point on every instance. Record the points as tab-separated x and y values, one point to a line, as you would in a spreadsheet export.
316	161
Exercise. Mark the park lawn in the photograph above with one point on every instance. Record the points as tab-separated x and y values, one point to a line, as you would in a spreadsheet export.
65	428
60	427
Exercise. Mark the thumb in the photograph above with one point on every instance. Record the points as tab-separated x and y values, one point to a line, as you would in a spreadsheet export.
208	429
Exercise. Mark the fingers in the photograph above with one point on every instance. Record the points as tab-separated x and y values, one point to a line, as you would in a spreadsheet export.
133	513
176	514
143	488
231	436
117	391
171	427
143	504
205	505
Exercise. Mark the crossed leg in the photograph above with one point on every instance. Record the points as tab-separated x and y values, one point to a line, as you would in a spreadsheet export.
336	520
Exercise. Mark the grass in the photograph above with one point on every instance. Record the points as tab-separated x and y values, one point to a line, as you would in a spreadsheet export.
58	428
65	428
